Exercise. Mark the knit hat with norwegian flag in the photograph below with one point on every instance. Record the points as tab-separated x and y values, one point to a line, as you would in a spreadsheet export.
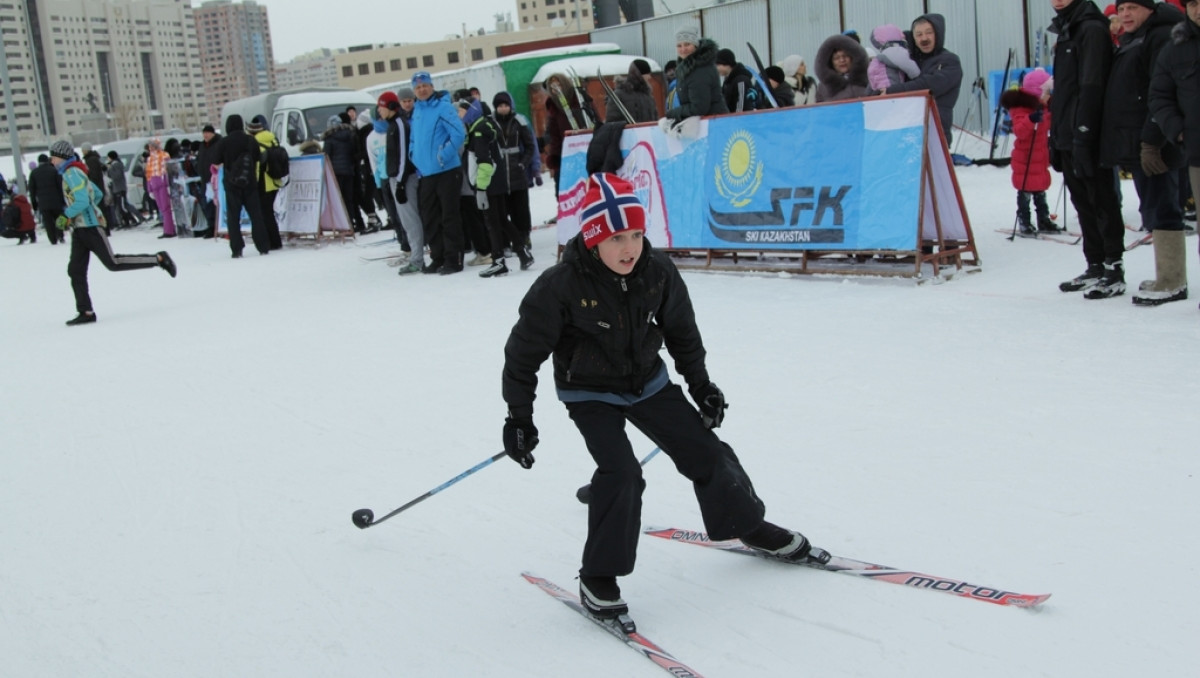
609	206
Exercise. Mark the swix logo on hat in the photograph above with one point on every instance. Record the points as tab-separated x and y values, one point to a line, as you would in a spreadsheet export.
609	206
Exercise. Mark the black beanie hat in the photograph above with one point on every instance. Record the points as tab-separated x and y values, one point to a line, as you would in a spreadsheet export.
1148	4
642	66
725	57
502	98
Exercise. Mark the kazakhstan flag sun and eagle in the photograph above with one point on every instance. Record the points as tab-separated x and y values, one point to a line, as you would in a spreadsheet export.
839	177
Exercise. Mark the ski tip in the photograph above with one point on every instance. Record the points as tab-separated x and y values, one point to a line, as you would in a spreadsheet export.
1029	600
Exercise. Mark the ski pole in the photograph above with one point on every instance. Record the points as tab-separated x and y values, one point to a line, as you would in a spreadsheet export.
364	518
584	494
1028	162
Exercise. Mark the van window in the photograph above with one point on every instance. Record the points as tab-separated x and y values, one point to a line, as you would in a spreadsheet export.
295	129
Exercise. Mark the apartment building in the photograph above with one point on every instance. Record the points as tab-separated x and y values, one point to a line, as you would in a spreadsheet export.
369	65
236	57
590	14
315	69
129	65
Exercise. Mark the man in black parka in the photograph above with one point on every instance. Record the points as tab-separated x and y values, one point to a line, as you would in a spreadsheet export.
941	69
1129	139
46	195
1082	60
1174	101
604	314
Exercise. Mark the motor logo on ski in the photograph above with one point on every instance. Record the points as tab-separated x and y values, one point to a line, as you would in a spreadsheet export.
861	568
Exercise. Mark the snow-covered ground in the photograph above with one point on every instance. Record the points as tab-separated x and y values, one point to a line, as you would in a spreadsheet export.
177	479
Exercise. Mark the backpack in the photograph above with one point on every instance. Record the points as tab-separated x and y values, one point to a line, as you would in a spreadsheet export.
276	161
241	175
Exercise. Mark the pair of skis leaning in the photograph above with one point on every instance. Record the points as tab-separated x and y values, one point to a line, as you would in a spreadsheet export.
624	629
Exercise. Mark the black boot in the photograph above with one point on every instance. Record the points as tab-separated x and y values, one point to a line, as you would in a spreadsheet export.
778	542
1089	278
1025	227
83	318
601	596
1112	284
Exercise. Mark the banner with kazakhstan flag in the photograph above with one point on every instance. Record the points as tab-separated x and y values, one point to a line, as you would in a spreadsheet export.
850	176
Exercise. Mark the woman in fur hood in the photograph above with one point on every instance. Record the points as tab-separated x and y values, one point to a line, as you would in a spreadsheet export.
841	69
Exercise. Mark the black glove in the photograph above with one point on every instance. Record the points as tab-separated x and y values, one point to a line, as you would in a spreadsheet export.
401	194
1083	161
1036	116
1056	159
712	404
520	437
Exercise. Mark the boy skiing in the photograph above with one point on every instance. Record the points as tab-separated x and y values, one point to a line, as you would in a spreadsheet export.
82	215
604	313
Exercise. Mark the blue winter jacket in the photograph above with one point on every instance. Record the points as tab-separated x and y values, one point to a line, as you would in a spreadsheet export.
437	135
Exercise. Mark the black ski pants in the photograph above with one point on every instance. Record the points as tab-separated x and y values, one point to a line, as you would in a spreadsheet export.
1099	209
437	197
93	240
728	504
235	200
1159	199
508	222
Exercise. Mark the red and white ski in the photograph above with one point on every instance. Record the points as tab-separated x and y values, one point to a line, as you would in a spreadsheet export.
860	568
633	639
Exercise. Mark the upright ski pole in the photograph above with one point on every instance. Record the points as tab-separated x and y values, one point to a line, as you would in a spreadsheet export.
364	518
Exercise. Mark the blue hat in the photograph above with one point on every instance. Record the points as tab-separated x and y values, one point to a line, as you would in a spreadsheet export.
422	77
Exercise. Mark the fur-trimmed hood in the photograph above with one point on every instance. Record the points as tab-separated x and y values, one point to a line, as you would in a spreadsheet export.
705	55
859	61
1017	98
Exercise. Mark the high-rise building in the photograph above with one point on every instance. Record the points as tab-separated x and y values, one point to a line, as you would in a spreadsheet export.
127	65
589	14
315	69
235	52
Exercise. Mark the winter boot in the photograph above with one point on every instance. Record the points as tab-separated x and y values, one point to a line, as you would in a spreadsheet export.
83	319
777	542
497	268
1088	279
601	596
166	264
1047	225
526	258
480	260
1170	269
410	267
1026	229
1112	284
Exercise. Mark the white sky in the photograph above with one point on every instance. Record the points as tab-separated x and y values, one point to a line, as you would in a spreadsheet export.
299	26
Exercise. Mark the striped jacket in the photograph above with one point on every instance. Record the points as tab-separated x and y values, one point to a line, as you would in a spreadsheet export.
81	195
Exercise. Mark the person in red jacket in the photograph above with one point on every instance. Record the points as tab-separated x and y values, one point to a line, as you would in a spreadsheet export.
17	220
1031	149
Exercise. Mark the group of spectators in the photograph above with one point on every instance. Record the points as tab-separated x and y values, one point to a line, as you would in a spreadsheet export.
1127	105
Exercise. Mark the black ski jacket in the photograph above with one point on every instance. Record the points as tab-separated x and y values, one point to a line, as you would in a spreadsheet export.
1126	122
512	152
1082	59
698	84
45	188
1175	90
605	331
741	92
